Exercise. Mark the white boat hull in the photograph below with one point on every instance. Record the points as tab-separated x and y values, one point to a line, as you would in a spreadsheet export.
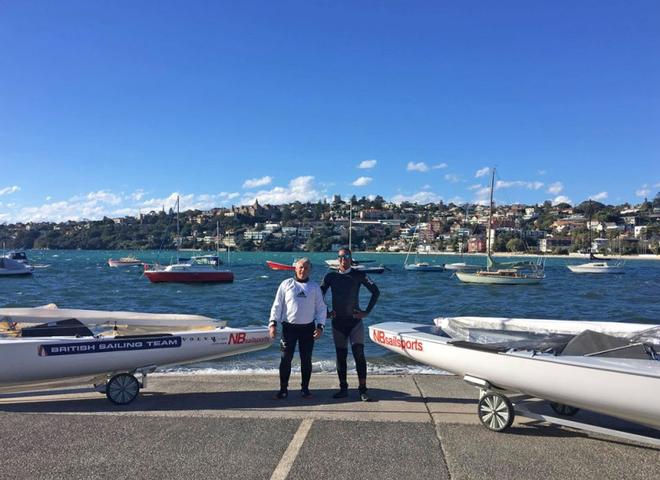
462	267
627	389
32	360
467	277
597	268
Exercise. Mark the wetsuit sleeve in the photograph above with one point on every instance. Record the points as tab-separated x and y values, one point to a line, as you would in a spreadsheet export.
320	309
278	305
325	284
375	293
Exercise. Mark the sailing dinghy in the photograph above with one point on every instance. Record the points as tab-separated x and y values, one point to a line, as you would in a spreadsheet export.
47	347
606	367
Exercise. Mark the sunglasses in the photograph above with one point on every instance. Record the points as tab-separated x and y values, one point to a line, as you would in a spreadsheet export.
344	256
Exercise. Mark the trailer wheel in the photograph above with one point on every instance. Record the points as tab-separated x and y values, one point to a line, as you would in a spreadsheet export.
565	410
122	389
496	412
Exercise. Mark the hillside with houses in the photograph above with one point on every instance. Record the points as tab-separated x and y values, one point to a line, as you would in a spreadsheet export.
377	225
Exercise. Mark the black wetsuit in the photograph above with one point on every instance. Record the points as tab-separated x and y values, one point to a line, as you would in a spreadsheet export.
345	302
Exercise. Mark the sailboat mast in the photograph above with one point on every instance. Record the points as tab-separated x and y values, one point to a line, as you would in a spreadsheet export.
178	233
350	227
490	213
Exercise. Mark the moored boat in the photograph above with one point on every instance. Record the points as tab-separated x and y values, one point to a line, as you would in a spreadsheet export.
13	268
423	267
202	269
279	266
598	268
124	262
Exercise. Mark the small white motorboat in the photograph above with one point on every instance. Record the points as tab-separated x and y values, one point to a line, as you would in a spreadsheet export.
46	347
423	267
12	268
598	268
124	262
463	267
606	367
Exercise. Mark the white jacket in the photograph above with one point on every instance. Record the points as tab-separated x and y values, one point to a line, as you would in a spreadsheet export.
299	303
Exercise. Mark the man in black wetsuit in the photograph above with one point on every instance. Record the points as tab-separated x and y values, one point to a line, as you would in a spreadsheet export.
347	318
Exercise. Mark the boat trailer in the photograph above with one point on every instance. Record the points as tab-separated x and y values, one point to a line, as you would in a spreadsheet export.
496	411
121	388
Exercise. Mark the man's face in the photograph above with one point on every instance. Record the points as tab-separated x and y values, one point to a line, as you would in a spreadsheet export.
302	270
344	260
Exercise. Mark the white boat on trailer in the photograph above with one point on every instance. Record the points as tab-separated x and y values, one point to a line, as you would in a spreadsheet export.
50	347
606	367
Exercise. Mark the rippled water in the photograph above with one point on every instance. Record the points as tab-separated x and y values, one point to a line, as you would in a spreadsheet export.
82	279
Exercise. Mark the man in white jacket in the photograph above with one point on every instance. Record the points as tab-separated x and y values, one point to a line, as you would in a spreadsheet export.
300	308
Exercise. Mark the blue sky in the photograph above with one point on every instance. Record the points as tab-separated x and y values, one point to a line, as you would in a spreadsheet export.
107	108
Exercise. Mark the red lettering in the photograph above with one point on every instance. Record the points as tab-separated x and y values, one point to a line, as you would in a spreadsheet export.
237	337
381	337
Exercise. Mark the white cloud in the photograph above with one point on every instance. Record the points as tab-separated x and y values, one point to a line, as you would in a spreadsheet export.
362	181
599	196
542	172
450	177
367	164
421	198
137	195
643	192
562	199
439	165
228	195
518	184
657	185
302	189
482	172
426	187
417	167
257	182
103	196
476	186
9	190
555	188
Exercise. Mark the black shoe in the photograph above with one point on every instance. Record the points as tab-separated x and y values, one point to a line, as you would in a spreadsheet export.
364	396
305	393
342	393
281	395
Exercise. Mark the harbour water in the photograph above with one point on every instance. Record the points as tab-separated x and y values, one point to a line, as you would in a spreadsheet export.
82	279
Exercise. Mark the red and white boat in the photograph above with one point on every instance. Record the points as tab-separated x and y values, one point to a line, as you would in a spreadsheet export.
279	266
197	269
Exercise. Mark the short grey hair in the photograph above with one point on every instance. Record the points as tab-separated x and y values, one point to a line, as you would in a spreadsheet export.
304	260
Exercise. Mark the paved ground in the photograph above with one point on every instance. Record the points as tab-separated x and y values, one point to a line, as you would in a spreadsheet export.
230	427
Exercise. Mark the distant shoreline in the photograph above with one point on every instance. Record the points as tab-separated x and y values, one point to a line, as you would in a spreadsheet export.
373	252
519	254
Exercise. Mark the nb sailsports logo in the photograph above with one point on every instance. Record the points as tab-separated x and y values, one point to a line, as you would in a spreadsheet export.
382	337
105	346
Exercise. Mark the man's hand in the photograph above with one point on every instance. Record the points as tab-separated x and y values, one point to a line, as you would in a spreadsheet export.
272	331
359	314
317	333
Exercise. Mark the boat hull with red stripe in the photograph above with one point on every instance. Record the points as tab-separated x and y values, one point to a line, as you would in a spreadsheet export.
279	266
190	277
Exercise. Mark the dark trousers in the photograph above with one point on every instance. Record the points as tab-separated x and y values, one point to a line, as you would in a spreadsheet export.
304	336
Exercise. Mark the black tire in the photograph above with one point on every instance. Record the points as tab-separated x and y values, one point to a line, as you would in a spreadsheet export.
122	389
564	410
495	412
